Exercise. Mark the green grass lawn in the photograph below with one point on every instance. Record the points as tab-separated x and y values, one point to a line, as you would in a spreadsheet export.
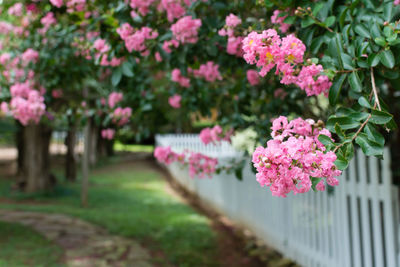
21	246
130	200
133	148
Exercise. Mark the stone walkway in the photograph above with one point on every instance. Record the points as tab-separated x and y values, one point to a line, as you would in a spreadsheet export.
84	244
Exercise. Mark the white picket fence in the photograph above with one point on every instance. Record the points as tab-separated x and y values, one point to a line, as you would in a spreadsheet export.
356	225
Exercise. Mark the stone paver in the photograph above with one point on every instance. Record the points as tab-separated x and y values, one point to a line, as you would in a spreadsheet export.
84	244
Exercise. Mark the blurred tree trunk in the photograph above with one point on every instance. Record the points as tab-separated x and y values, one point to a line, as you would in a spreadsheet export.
20	148
70	157
93	137
34	156
105	147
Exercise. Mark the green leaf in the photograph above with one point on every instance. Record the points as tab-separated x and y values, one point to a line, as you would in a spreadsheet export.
334	92
317	8
380	117
306	22
348	63
387	58
116	77
290	20
380	41
362	30
344	122
330	21
373	134
363	101
127	69
373	60
355	82
369	147
339	131
325	140
341	163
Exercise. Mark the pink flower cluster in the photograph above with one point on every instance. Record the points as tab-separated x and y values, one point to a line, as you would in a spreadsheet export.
253	77
208	71
175	101
141	6
276	19
136	40
175	8
168	44
114	98
234	46
177	77
108	134
47	21
27	104
396	2
185	30
215	135
121	116
267	50
199	164
293	157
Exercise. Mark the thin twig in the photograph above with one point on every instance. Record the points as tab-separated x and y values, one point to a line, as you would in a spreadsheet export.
374	89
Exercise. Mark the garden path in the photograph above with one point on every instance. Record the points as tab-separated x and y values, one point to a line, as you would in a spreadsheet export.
84	244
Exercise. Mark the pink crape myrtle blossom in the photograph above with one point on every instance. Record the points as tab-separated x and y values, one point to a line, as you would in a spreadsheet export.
253	77
108	134
396	2
114	98
215	135
168	44
165	155
57	93
29	55
199	164
75	5
141	6
276	19
27	104
48	20
267	50
175	8
177	77
121	116
57	3
16	10
185	30
175	101
101	46
208	71
136	40
293	157
234	45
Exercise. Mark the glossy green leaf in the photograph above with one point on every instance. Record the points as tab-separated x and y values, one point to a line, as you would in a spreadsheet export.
363	101
380	117
355	82
369	147
334	92
387	58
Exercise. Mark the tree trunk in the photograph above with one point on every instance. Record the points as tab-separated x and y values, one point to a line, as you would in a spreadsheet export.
20	148
35	173
93	135
85	164
70	157
110	148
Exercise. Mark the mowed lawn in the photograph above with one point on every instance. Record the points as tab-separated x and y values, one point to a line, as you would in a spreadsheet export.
129	199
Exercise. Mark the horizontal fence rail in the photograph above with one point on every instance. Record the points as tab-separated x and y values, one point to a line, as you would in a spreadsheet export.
354	225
